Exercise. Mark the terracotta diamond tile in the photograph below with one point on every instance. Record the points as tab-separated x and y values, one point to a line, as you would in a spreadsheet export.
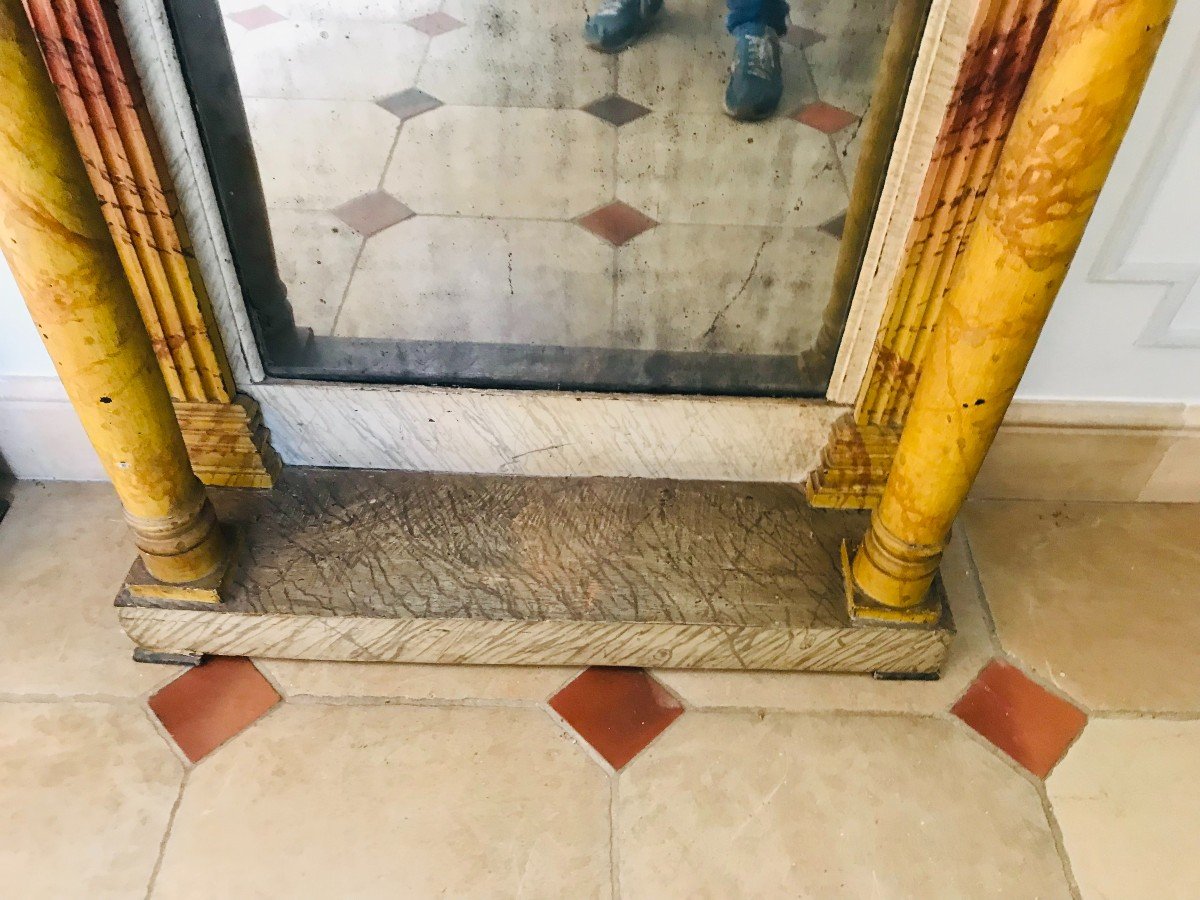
617	222
435	23
802	37
616	110
617	711
373	212
408	103
256	17
1020	717
834	227
207	705
824	117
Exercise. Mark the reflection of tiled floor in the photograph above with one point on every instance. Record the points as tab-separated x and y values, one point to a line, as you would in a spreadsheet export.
505	138
294	779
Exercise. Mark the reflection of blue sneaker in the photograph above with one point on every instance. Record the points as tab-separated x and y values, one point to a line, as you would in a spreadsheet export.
619	23
756	77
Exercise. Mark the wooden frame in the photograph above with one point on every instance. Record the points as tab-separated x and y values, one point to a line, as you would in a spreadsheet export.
668	572
90	68
546	432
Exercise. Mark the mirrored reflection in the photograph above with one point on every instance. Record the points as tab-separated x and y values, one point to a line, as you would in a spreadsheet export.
622	196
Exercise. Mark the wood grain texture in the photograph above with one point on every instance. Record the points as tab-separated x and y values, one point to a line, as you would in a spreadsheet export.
89	64
489	569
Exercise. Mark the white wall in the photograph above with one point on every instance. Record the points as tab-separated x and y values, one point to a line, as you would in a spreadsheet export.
1127	323
40	437
1126	326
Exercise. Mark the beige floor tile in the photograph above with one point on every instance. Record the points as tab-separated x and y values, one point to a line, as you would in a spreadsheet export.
711	170
416	682
1098	598
779	805
305	60
301	166
87	791
517	163
1128	802
515	54
684	65
804	691
723	288
393	801
489	280
1176	479
64	550
1066	464
316	253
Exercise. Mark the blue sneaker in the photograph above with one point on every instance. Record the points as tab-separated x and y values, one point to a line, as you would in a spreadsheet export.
756	76
618	23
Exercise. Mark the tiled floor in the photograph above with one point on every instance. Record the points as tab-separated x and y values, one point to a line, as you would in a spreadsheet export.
1056	757
467	171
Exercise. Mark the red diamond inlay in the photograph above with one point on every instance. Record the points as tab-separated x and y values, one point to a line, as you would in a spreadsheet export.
1021	717
617	711
373	212
207	705
256	17
617	222
435	23
824	117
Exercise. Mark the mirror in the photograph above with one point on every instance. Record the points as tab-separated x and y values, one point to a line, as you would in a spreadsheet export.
619	196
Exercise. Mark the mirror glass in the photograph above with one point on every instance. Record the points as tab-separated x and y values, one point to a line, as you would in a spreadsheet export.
612	195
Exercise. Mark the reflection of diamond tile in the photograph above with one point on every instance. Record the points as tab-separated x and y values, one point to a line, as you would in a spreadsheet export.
1020	717
617	222
616	110
207	705
256	17
799	36
373	212
409	103
834	227
435	23
617	711
824	117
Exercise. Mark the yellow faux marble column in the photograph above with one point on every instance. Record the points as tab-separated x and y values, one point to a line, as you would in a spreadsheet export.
67	267
1075	111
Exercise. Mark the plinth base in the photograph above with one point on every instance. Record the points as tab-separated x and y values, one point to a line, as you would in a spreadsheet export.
404	567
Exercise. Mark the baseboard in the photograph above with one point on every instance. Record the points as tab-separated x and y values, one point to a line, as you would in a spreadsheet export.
1101	451
40	435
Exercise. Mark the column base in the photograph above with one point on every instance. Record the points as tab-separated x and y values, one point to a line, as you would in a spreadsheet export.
207	591
228	444
865	611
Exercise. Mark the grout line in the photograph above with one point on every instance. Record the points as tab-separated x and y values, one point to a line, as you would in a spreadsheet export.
346	290
977	581
1060	845
991	748
425	702
614	843
575	736
1143	714
268	676
162	846
106	699
161	729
